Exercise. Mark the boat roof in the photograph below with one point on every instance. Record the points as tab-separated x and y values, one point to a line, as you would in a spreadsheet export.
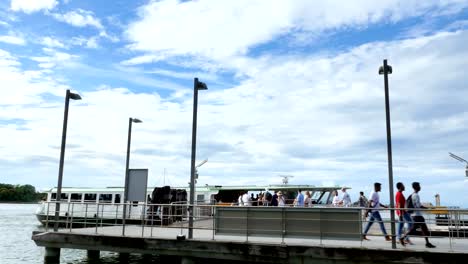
207	188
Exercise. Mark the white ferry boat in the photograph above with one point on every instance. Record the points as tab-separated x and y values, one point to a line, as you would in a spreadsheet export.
105	205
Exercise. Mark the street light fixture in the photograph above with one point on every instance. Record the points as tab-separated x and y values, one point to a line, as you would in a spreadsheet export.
385	70
130	122
461	160
198	166
69	95
197	85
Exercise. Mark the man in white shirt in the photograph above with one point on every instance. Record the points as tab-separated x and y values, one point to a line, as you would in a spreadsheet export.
346	199
246	199
375	215
419	221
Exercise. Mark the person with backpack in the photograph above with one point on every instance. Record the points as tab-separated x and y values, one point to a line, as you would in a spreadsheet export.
418	219
374	204
403	215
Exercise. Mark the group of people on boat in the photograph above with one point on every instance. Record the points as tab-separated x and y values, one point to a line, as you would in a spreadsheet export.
275	199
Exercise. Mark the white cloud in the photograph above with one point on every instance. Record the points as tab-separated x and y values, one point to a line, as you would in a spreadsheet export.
79	18
31	6
52	43
91	42
144	59
16	40
221	29
54	58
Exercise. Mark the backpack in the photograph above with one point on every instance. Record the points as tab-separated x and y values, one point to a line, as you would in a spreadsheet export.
409	204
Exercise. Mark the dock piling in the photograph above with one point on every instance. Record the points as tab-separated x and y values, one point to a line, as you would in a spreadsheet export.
52	255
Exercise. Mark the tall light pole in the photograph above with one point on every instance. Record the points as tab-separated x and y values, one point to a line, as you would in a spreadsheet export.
127	163
386	70
197	85
58	197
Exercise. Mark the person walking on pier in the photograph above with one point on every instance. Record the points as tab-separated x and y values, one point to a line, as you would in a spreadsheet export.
403	215
375	215
418	219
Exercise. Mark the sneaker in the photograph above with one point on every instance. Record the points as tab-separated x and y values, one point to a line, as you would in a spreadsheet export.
409	242
364	237
429	245
388	238
402	242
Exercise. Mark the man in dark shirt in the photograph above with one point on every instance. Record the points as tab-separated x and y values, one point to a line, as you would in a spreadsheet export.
274	200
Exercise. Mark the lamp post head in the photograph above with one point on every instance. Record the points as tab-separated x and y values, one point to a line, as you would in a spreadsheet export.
200	85
136	120
389	70
74	96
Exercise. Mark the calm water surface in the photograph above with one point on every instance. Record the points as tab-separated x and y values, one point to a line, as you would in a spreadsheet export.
17	222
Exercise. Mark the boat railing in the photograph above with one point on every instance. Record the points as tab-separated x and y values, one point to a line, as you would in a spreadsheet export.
325	224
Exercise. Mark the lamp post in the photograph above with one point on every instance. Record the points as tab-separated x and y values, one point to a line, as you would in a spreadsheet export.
197	85
58	197
127	163
386	70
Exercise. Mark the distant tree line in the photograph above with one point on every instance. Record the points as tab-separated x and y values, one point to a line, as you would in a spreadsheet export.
19	193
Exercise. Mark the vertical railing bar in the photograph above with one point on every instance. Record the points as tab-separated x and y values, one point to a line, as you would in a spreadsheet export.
47	217
143	220
96	222
71	217
152	220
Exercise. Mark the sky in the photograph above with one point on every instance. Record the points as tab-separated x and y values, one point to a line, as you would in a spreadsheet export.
293	89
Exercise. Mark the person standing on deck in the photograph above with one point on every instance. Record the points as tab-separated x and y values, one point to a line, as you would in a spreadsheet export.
307	200
375	214
336	199
299	199
246	199
346	200
418	219
274	199
403	215
239	200
281	200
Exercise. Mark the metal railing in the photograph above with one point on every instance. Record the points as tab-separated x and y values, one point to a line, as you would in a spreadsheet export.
319	224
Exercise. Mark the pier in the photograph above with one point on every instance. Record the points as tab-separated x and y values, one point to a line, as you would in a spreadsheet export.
217	237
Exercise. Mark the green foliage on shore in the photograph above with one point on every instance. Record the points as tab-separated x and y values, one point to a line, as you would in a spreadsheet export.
19	193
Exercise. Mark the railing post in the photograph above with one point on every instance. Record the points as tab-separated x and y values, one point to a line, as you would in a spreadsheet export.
247	224
86	215
283	225
97	215
71	216
47	217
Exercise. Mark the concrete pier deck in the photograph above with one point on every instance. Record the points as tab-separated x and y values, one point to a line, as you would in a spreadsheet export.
207	245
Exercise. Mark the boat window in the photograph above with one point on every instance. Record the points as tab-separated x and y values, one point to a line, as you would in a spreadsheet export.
75	197
105	198
117	198
90	197
325	199
64	197
200	198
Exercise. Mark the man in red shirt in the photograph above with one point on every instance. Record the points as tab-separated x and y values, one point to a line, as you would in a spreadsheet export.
403	215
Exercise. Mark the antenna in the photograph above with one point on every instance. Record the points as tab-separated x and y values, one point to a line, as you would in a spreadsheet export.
461	160
286	178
